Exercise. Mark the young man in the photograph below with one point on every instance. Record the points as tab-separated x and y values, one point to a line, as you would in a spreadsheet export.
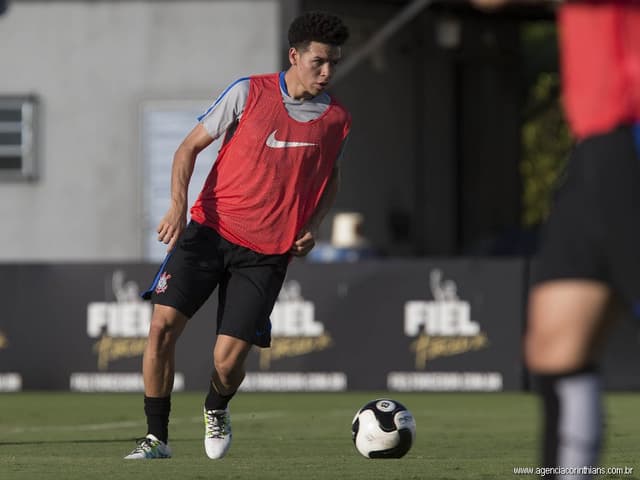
275	178
590	251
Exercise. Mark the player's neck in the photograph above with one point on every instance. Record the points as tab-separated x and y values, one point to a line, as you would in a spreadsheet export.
295	89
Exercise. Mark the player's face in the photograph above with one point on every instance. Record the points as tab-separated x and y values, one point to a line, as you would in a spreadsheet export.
313	67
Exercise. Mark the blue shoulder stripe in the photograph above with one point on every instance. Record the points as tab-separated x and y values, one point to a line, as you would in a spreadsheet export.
283	84
213	105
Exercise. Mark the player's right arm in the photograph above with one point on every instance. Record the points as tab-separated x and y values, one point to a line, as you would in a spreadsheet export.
184	159
215	122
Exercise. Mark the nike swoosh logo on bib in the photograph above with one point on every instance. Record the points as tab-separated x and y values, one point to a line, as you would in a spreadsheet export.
273	143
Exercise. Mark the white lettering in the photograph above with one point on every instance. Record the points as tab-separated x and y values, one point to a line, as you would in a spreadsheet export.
294	381
444	381
115	382
446	318
126	319
295	319
10	382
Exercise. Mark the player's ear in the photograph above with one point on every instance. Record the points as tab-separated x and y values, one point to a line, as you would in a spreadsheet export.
294	55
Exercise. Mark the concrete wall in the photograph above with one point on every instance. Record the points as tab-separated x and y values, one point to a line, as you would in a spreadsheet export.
93	64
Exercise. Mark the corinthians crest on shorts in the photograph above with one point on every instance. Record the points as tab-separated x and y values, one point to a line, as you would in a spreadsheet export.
163	283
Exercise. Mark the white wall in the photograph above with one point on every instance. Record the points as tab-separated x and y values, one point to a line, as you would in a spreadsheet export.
93	64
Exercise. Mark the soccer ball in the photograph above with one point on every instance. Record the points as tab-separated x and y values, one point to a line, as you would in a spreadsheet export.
383	428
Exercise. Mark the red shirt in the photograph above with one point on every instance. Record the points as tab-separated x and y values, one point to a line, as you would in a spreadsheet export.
600	55
268	179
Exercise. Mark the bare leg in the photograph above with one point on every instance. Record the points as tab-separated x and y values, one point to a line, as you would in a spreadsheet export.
158	368
565	321
229	356
158	364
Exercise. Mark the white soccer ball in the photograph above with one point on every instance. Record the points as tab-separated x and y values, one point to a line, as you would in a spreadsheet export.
383	428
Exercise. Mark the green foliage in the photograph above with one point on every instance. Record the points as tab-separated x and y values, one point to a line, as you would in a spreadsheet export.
546	139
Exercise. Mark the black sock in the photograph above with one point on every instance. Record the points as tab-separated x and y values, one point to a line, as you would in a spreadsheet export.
572	418
157	411
215	401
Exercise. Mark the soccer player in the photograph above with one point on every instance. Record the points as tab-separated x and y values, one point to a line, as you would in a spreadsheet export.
274	179
590	252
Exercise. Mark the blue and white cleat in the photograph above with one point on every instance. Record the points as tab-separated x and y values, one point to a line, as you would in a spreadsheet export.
149	448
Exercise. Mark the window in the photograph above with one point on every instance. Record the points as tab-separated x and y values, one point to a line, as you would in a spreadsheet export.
17	138
164	126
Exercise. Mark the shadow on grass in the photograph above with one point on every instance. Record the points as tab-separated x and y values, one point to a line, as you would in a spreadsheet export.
92	441
62	442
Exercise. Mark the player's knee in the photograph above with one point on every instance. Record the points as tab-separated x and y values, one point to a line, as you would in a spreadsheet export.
228	371
551	354
225	368
163	330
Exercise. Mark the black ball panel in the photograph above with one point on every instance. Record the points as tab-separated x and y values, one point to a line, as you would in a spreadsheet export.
385	409
355	426
400	450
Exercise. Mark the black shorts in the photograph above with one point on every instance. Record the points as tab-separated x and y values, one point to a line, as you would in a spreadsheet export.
249	282
593	231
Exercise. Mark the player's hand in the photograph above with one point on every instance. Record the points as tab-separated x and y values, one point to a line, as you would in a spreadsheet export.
170	227
303	244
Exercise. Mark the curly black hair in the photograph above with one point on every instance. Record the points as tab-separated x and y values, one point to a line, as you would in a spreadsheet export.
317	26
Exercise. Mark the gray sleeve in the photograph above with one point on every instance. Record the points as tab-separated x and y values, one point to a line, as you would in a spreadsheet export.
227	108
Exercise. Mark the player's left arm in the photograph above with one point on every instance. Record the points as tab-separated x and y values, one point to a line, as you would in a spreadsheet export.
306	238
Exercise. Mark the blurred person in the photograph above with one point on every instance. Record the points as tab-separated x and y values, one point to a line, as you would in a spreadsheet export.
590	250
275	178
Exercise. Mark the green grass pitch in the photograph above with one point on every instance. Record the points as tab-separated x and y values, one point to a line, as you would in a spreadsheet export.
68	436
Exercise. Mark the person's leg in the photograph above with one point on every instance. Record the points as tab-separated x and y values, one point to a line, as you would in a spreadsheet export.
229	356
158	367
247	294
564	322
183	283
